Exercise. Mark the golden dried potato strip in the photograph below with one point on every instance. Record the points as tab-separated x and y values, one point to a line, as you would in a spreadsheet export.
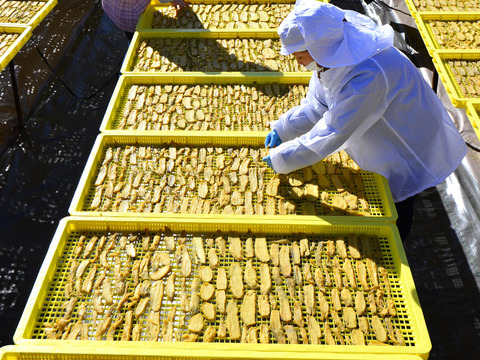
232	322
309	298
362	275
276	327
284	261
161	273
205	273
170	286
235	247
348	268
265	279
196	324
379	329
249	249
274	254
156	296
337	320
337	305
250	275
360	303
373	272
221	299
221	279
341	248
208	310
248	311
291	334
261	249
285	311
385	282
213	258
314	331
346	297
236	280
349	318
210	334
358	338
323	306
207	291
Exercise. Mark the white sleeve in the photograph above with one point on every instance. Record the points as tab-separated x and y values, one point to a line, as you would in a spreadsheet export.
360	103
302	118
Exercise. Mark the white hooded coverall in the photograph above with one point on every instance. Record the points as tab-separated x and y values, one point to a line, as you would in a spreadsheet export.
373	103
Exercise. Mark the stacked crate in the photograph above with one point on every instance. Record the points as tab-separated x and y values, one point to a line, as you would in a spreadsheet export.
181	236
451	32
17	20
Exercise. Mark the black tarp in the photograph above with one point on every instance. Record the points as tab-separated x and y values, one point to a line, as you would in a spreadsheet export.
40	167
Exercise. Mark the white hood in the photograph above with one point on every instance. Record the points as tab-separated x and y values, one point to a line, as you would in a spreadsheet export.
333	37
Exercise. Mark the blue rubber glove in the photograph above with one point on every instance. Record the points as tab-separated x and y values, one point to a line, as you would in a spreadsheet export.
268	160
272	139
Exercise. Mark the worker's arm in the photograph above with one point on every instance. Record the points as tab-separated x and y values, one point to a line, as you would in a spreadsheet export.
358	106
302	118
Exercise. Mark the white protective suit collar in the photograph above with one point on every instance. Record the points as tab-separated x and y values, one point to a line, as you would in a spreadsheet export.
331	41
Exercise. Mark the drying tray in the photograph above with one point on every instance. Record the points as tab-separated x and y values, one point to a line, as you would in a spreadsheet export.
441	58
192	19
381	242
28	352
473	113
424	20
373	187
418	6
200	51
115	113
34	18
24	34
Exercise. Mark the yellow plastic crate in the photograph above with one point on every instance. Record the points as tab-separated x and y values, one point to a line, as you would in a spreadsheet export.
30	13
379	242
8	51
207	51
28	352
417	6
426	24
373	187
447	62
204	15
233	112
473	109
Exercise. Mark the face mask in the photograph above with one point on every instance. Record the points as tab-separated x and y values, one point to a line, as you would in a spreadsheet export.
312	66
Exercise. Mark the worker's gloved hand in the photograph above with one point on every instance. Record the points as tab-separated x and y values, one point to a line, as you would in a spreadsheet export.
272	139
268	160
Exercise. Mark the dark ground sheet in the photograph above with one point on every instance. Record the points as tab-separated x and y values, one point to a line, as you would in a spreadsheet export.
40	168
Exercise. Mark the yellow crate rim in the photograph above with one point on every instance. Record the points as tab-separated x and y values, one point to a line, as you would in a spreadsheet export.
47	291
145	20
39	16
377	190
415	10
25	34
473	109
446	76
32	352
118	97
190	33
422	19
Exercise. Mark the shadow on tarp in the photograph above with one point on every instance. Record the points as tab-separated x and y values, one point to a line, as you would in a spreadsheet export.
40	166
446	287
